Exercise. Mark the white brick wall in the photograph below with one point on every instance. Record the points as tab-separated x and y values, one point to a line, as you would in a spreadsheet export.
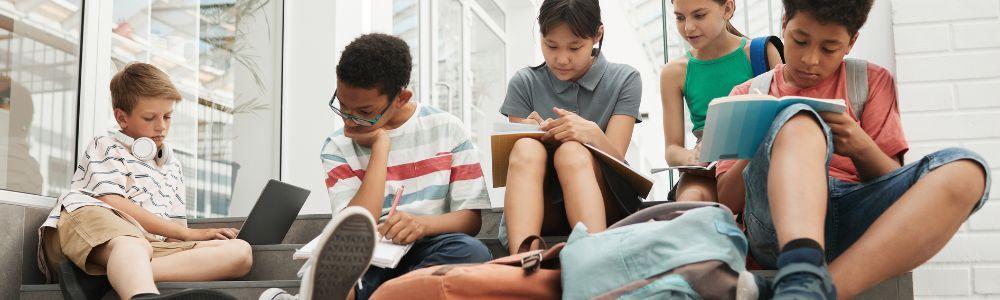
948	72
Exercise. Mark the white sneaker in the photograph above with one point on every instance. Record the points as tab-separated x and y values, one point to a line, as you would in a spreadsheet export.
277	294
342	255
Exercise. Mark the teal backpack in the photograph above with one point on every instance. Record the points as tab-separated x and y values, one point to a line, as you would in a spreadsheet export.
685	250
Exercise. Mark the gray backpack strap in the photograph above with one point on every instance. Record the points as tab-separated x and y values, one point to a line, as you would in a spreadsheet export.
762	83
857	85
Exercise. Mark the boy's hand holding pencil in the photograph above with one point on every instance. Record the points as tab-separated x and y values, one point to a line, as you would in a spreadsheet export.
400	227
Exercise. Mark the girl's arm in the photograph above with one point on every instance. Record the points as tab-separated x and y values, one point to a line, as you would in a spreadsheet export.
615	141
672	98
773	56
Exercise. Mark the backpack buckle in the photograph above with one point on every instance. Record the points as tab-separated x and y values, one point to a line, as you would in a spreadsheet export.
532	262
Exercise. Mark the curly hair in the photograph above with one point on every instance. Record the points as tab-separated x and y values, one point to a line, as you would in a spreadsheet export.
376	60
850	13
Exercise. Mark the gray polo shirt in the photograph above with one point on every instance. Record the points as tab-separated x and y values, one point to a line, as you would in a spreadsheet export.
607	89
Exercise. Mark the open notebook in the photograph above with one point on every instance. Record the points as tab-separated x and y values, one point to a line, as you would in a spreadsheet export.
736	125
506	134
387	254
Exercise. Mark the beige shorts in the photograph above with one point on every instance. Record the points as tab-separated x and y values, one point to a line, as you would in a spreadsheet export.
89	227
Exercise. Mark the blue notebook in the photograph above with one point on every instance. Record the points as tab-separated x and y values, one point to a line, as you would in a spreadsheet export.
735	125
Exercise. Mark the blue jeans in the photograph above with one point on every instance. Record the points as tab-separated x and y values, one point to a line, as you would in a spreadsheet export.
448	248
852	207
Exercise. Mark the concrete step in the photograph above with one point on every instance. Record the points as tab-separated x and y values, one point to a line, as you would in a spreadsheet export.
239	289
274	262
307	227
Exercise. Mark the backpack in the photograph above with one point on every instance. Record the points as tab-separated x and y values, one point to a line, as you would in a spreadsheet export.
684	250
857	84
758	53
526	275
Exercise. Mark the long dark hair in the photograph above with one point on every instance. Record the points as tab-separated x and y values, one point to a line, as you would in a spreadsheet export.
582	16
729	25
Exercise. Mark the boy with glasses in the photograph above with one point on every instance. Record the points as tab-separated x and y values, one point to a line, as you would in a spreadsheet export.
389	142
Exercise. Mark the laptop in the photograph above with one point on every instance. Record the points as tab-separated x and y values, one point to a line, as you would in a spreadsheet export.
273	214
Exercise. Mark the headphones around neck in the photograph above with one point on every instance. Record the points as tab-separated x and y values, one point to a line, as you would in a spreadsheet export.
144	148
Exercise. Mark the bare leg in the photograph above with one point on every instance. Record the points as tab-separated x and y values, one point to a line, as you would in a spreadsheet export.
208	261
127	260
937	204
696	188
583	192
524	198
796	182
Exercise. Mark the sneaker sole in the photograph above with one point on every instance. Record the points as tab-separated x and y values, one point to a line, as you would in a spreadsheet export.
746	287
343	258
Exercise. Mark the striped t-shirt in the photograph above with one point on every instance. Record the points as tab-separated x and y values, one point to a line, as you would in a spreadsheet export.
107	167
431	155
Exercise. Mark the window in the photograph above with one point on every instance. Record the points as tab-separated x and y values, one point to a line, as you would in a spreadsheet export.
221	55
448	58
406	25
39	79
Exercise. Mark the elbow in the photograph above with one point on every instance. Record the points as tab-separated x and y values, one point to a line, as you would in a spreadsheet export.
729	193
475	223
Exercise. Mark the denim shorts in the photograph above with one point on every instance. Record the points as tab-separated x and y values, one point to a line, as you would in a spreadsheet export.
852	207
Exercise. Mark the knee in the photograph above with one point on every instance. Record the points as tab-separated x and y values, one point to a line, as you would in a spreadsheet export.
572	156
130	244
527	153
801	127
968	183
241	255
694	194
469	249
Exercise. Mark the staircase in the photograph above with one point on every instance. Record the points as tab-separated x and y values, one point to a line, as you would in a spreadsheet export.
273	266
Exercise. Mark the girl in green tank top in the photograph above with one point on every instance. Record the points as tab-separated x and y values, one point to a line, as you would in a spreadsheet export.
717	62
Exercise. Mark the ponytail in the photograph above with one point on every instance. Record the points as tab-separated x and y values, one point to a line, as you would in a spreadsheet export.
732	29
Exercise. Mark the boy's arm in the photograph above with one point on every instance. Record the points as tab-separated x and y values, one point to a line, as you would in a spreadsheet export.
876	145
372	190
403	228
160	226
467	221
850	140
731	188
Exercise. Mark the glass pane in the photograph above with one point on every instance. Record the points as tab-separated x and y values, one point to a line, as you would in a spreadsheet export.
449	56
39	79
648	25
494	11
217	54
406	25
488	78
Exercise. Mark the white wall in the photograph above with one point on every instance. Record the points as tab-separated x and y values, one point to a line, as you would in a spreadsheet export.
875	38
948	72
256	135
310	60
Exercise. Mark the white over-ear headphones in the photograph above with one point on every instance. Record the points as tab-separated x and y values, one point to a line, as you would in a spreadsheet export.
144	148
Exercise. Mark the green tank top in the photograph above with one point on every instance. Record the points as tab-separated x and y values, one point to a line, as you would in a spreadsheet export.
709	79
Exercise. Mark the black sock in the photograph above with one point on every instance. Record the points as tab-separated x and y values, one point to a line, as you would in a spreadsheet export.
801	250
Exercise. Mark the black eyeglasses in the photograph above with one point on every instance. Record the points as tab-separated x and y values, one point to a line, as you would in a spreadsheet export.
359	120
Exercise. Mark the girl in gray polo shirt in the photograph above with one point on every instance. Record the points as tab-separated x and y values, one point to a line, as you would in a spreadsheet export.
578	98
